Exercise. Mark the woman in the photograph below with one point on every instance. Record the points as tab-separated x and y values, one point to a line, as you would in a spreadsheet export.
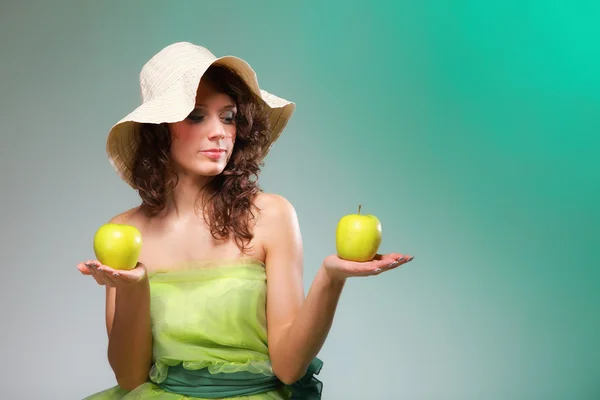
221	263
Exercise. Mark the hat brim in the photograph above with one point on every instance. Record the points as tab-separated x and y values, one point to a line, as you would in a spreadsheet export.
176	103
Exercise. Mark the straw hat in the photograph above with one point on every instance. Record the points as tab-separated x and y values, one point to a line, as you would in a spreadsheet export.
168	82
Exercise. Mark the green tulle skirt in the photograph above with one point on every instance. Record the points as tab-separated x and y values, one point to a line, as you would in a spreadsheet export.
201	384
150	391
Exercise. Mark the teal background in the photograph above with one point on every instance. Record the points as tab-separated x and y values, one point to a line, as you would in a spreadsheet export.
469	128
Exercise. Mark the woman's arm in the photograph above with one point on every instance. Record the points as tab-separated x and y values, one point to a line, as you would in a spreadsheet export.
127	321
129	333
297	327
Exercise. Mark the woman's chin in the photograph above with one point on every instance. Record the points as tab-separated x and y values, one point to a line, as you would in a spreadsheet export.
212	170
206	169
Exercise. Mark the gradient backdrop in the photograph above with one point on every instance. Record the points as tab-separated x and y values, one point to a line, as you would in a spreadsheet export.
471	130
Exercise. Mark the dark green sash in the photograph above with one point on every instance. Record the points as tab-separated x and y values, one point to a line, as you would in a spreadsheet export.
201	383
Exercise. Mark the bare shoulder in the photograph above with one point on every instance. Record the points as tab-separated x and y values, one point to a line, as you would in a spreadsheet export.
277	219
274	208
134	216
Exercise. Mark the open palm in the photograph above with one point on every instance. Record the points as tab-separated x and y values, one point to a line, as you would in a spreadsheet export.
106	276
341	268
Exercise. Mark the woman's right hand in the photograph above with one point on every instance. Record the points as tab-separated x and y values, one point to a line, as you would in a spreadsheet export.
106	276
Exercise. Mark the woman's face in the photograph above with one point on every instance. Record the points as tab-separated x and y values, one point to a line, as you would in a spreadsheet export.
202	143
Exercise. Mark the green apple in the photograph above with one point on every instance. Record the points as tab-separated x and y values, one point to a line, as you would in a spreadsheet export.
118	245
358	237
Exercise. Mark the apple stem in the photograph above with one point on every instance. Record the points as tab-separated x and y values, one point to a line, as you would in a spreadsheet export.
359	207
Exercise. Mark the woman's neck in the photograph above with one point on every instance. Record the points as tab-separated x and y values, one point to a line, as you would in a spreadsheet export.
187	197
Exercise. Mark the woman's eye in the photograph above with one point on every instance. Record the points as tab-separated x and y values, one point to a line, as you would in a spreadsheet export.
195	118
229	117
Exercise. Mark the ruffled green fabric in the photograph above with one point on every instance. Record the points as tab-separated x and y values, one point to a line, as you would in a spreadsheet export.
209	319
203	384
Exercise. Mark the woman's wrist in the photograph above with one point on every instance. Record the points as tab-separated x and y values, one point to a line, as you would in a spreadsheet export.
330	276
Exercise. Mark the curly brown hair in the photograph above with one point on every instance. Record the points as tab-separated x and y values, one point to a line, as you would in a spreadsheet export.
229	201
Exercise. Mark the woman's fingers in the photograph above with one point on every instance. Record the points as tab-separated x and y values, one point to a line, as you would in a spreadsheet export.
107	275
94	268
388	262
98	274
83	268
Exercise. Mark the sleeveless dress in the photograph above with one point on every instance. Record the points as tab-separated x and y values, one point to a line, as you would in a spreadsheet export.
209	333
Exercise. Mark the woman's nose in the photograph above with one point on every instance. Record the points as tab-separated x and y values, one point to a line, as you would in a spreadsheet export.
216	129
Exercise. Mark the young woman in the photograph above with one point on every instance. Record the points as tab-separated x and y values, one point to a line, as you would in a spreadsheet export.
215	308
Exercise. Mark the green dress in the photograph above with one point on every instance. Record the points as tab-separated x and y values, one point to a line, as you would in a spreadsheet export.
210	337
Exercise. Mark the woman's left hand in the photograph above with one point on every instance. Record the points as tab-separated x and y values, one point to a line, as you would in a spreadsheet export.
339	268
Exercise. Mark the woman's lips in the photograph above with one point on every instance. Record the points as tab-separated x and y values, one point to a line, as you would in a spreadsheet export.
215	154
